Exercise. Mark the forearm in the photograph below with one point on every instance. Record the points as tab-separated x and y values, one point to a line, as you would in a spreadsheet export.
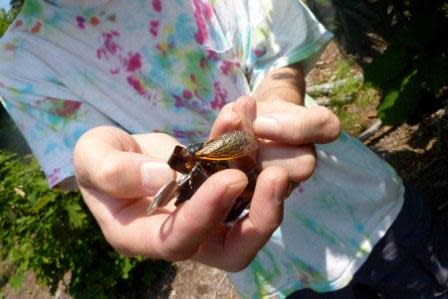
286	84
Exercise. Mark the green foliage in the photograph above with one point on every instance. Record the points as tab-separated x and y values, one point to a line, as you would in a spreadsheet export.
413	70
52	234
350	100
6	18
10	137
401	99
16	5
347	92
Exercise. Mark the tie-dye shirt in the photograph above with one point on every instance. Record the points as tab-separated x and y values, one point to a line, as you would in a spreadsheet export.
169	66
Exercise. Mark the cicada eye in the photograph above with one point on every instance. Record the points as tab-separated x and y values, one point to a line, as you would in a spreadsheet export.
192	149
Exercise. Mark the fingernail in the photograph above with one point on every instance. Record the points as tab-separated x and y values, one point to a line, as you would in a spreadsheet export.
155	175
266	125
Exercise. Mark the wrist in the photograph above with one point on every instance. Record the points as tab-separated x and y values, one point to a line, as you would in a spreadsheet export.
280	93
284	84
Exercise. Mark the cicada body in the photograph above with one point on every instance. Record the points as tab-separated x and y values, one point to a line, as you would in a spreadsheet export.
228	146
199	161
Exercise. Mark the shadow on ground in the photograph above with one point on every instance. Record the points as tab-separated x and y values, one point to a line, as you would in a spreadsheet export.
419	153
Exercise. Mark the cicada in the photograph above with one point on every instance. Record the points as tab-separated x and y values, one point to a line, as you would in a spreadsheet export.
199	161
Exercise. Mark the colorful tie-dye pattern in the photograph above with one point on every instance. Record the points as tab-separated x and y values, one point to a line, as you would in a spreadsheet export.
170	66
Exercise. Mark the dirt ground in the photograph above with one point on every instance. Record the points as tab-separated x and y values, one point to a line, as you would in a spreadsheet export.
418	152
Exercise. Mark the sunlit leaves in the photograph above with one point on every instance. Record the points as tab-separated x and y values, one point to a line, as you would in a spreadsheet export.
401	100
413	71
51	233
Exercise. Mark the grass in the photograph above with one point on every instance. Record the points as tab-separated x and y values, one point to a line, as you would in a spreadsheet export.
353	102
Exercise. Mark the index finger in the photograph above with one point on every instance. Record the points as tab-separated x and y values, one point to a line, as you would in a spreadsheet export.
294	124
182	233
238	115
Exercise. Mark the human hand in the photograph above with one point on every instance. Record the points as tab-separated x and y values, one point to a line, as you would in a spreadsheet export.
118	174
287	131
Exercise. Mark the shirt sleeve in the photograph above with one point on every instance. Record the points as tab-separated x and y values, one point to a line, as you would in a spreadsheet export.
273	34
49	115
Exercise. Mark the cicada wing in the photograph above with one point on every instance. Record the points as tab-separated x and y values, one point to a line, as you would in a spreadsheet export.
229	146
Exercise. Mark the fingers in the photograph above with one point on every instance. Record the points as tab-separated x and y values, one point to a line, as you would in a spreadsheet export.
185	229
266	212
298	160
169	235
246	108
238	115
293	124
226	121
156	145
109	160
233	249
279	121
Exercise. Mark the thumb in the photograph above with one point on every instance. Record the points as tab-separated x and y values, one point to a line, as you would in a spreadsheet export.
101	164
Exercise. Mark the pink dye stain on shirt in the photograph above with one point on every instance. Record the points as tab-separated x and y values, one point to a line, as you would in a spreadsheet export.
133	62
203	63
68	109
36	28
186	94
227	66
94	21
202	13
212	55
110	46
259	52
17	23
219	99
157	5
136	84
154	27
81	21
178	101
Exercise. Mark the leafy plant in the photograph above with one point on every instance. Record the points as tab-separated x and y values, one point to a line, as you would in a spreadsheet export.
413	71
408	47
6	18
52	234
